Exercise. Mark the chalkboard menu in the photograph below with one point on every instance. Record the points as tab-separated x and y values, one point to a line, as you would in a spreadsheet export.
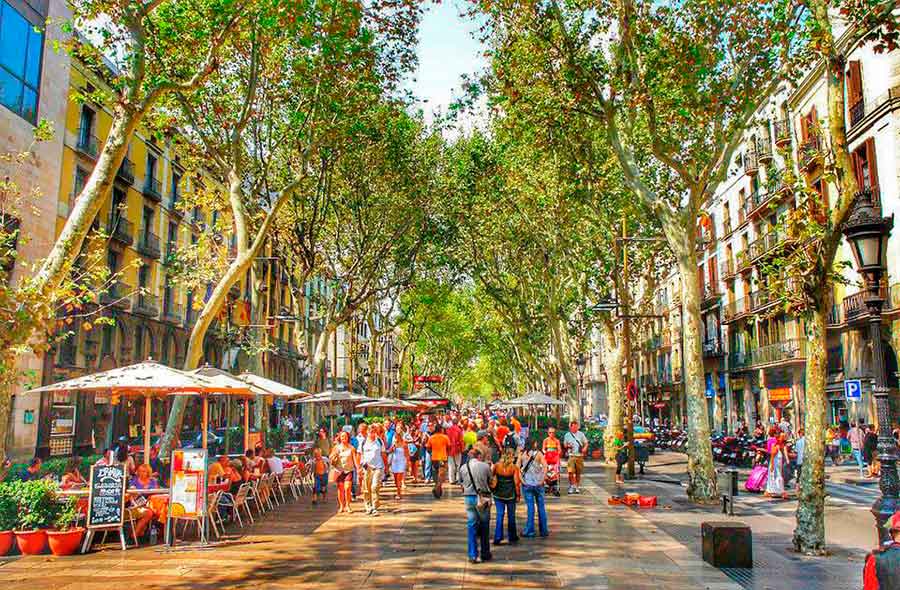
106	504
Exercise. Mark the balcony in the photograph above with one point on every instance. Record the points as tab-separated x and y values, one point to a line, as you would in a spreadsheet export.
726	269
739	361
190	318
787	351
121	230
710	295
125	172
742	261
857	112
835	317
810	153
763	151
173	313
152	189
736	309
751	162
761	201
87	144
116	295
761	299
148	245
854	306
782	133
763	245
712	348
146	305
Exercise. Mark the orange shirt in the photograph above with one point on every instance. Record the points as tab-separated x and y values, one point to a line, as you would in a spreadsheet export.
320	466
439	443
502	431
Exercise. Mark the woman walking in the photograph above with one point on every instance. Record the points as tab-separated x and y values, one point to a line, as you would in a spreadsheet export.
777	461
533	467
507	489
399	457
344	461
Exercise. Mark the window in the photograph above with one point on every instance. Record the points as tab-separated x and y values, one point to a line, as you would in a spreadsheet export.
119	206
112	261
147	221
106	341
854	84
20	63
864	165
151	167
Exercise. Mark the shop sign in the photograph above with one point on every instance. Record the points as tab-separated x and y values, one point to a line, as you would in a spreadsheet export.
62	421
780	394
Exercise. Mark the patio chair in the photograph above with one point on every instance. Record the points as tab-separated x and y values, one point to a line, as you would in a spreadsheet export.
240	501
253	495
212	511
284	481
269	483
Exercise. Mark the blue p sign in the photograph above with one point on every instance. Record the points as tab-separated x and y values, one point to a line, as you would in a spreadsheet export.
853	390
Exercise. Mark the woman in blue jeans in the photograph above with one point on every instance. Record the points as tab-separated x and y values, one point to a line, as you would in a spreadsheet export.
533	467
507	489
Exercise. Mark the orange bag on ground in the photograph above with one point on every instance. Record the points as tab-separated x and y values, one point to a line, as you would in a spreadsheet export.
615	501
632	499
647	501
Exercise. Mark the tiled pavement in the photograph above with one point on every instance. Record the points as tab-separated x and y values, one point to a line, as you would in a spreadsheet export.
419	543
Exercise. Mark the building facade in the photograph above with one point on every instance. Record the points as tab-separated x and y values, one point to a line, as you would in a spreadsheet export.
755	353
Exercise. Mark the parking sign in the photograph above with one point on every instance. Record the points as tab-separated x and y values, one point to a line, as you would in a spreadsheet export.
853	390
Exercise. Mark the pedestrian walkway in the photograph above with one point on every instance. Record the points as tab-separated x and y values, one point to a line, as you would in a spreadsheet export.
417	543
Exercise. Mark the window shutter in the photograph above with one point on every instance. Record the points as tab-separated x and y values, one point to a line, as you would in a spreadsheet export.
870	158
854	83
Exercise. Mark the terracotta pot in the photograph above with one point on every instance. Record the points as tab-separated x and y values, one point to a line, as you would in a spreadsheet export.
31	542
6	541
65	542
595	454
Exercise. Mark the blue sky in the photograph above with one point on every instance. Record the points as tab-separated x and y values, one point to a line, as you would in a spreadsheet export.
446	51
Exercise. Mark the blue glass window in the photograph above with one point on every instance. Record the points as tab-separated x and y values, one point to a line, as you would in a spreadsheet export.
20	63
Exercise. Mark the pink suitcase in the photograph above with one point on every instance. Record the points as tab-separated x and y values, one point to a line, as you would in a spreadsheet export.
757	480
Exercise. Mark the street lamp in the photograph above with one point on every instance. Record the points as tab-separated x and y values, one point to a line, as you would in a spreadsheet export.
868	232
580	363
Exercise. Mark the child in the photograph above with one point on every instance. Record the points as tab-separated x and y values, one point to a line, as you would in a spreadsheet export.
320	474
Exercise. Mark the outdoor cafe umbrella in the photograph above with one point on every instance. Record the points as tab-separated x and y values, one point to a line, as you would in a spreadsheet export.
331	397
429	397
533	400
236	386
147	379
273	388
387	403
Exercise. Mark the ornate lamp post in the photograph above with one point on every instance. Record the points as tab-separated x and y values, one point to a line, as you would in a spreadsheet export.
868	233
580	364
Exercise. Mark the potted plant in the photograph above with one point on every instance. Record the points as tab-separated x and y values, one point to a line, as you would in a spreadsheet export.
9	515
38	509
67	537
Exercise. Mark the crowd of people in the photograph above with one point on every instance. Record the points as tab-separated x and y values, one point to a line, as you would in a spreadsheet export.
494	460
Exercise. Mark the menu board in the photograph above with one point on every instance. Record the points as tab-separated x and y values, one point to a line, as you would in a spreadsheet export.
62	421
187	492
106	503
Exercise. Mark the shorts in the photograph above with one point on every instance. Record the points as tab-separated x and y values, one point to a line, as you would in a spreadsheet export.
321	484
575	465
344	476
437	465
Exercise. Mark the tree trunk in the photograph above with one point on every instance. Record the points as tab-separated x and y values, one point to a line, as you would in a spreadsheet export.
702	483
564	362
809	536
321	354
615	390
237	269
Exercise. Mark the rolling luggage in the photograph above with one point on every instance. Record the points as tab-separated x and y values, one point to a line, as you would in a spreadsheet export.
757	480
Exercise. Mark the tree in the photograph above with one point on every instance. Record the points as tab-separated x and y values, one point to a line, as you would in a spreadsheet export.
156	47
804	275
675	88
292	83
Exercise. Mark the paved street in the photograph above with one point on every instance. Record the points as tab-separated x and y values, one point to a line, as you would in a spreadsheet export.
419	543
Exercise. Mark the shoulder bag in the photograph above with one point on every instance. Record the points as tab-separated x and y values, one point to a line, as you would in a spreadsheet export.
484	498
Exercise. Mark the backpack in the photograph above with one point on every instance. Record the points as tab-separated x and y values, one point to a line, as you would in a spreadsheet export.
510	442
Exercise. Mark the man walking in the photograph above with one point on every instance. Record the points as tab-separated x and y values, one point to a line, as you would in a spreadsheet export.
475	478
882	569
371	464
454	458
576	444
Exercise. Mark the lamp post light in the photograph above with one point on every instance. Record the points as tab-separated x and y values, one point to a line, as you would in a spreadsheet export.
868	232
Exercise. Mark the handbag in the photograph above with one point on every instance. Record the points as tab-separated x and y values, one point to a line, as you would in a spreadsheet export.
484	499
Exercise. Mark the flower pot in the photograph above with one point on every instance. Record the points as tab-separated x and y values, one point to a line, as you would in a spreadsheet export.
31	542
65	542
595	454
6	541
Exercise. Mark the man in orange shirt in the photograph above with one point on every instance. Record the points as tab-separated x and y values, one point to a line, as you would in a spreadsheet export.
439	445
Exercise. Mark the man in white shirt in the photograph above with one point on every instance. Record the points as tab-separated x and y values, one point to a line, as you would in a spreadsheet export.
371	465
577	445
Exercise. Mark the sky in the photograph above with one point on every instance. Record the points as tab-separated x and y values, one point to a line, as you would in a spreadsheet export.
446	51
